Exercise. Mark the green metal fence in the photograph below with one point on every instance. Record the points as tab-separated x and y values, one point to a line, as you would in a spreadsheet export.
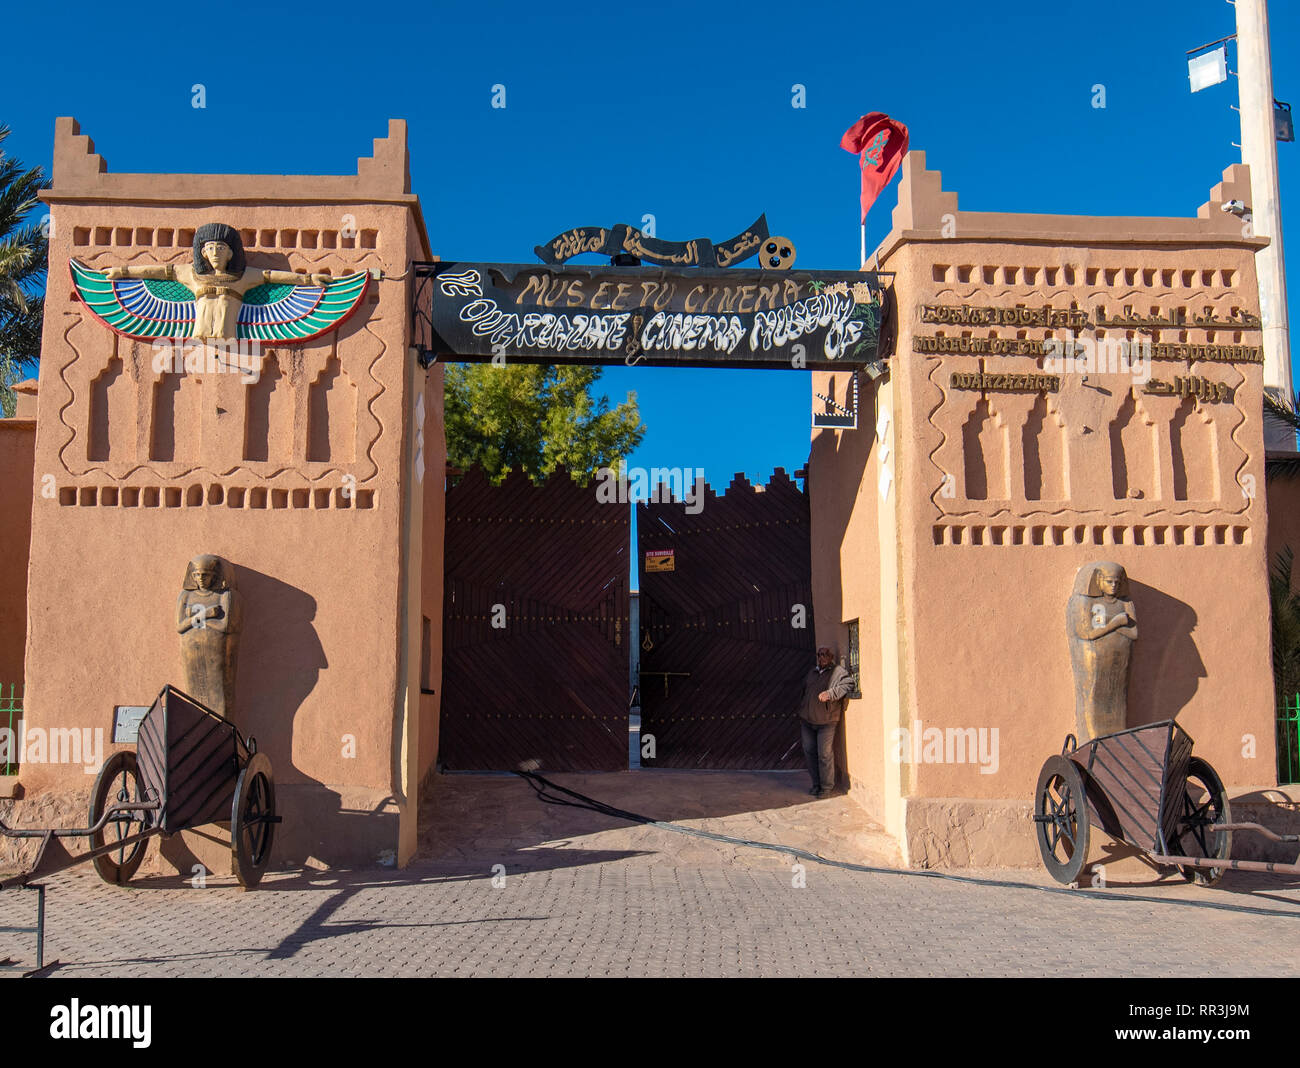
11	711
1288	740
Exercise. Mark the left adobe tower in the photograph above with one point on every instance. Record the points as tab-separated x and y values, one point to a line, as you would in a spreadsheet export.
301	466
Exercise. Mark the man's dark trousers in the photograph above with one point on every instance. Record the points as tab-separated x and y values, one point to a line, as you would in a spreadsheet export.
819	752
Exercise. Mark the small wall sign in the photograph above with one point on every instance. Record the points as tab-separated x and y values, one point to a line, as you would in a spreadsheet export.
126	723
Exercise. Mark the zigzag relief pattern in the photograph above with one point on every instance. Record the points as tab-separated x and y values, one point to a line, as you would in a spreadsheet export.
372	438
939	402
71	322
1240	469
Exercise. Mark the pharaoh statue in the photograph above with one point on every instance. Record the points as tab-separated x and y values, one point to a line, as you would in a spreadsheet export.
1101	627
208	620
218	277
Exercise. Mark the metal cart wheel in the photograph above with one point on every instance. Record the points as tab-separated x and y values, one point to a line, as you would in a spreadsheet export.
253	820
118	782
1204	804
1061	817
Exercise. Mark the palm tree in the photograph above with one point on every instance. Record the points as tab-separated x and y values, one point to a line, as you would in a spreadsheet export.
1286	412
24	249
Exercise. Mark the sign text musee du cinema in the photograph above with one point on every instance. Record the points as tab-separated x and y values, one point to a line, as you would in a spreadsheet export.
734	318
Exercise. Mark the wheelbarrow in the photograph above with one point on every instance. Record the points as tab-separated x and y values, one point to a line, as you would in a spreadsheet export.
1143	787
191	767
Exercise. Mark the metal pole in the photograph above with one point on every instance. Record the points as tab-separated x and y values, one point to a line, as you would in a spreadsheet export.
1259	151
40	927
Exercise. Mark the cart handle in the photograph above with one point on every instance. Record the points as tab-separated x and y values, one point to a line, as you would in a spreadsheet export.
79	832
1257	828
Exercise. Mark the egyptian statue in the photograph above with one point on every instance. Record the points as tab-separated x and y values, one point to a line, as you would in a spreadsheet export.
208	619
217	296
1101	627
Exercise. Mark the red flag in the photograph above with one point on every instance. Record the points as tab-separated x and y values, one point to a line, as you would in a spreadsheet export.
882	142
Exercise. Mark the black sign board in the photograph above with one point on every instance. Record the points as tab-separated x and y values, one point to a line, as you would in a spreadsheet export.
475	312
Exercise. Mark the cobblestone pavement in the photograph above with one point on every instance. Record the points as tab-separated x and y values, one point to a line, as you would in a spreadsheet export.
587	895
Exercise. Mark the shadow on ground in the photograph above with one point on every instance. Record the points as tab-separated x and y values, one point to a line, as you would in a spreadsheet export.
467	817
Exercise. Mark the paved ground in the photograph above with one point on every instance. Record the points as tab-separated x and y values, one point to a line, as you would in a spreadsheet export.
586	895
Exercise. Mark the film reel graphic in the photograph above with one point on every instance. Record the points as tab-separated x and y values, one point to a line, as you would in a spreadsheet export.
777	254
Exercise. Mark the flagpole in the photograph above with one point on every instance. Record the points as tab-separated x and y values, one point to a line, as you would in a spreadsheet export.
1259	152
863	230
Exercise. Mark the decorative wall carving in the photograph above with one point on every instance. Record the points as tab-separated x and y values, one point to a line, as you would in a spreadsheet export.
121	418
1168	435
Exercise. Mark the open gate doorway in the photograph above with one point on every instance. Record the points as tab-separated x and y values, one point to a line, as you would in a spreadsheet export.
538	641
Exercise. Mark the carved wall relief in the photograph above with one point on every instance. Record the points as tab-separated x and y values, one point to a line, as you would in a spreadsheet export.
985	452
268	433
1194	449
176	435
1044	448
332	416
112	405
1134	452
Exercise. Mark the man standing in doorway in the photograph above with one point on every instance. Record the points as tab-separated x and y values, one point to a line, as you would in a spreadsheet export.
825	691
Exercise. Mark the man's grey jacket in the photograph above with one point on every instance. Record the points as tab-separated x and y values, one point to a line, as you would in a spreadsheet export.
834	679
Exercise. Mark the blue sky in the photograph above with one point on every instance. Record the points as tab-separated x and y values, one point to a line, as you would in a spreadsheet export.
680	110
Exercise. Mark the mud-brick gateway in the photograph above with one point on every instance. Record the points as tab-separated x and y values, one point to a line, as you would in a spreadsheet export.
946	529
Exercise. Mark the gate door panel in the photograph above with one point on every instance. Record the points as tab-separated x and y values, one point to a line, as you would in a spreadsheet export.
722	666
534	627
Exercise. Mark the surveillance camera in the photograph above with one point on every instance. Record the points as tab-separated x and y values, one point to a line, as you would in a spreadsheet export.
1235	207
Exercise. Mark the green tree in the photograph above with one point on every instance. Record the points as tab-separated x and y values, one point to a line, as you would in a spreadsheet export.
1286	625
1285	613
24	248
533	418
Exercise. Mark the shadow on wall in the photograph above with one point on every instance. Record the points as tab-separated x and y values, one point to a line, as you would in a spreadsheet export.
1167	667
842	462
280	660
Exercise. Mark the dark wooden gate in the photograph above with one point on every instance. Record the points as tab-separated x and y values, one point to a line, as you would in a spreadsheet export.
722	664
547	686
